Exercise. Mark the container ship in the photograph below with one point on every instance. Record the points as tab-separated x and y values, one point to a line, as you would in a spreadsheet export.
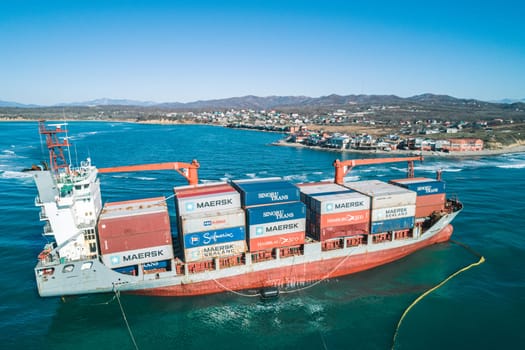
258	234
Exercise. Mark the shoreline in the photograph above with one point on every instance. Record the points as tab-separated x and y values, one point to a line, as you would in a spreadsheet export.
483	153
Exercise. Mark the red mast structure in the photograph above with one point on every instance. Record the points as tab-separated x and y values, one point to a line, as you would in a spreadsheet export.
55	146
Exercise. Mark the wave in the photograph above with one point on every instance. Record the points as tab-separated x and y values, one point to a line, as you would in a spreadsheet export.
14	175
296	178
512	166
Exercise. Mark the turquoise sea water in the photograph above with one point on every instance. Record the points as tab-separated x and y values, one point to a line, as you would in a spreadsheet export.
482	308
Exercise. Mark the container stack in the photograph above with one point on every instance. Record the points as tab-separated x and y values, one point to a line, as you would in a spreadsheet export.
275	217
393	208
334	211
430	194
211	221
134	232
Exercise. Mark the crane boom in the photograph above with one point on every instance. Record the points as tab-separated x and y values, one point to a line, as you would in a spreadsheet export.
343	167
188	170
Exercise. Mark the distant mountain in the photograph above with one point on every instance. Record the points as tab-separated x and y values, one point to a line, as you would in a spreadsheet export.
108	102
509	100
16	104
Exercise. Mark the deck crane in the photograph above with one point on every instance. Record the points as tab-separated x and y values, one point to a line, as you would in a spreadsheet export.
188	170
343	167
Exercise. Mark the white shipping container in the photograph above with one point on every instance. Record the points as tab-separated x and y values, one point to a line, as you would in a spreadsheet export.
393	213
208	203
276	228
339	203
212	221
215	251
384	195
320	188
138	256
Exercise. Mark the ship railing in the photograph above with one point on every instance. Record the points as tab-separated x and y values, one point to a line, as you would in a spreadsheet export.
48	231
42	215
38	202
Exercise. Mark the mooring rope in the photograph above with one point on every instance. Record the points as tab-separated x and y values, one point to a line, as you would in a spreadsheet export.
407	310
233	291
117	294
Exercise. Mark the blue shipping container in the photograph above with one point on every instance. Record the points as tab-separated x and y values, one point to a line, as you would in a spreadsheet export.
156	265
425	188
262	192
206	238
391	225
275	213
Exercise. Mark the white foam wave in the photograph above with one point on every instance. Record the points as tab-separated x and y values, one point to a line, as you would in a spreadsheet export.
317	173
296	178
15	175
8	151
512	166
251	175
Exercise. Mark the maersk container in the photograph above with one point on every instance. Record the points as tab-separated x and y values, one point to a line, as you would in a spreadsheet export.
276	228
214	251
391	225
208	203
138	256
275	213
422	186
393	212
330	232
254	193
290	239
338	203
212	221
384	195
199	239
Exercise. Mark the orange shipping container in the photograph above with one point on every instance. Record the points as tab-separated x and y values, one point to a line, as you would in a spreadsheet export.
286	240
427	210
345	218
344	231
431	199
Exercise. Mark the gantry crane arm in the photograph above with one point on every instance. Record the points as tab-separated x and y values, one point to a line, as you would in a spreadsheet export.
188	170
343	167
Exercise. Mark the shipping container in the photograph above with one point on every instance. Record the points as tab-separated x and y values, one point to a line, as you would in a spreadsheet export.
212	221
344	218
384	195
134	241
431	199
276	228
290	239
427	210
393	213
163	264
225	235
422	186
138	256
315	188
208	203
330	232
275	213
261	192
133	217
391	225
338	203
202	189
214	251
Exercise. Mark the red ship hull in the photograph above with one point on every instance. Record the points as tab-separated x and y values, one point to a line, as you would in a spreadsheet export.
300	273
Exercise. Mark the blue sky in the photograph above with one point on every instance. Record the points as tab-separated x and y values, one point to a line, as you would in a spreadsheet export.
67	51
